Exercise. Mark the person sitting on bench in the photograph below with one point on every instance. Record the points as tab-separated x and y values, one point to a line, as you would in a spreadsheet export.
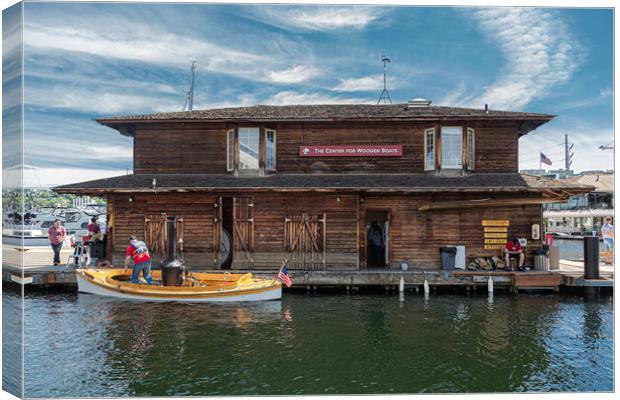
513	249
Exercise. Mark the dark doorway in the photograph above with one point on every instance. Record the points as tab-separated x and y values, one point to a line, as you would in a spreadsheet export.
226	238
377	238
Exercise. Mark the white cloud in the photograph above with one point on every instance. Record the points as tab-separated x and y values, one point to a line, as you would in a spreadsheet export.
292	97
584	102
363	84
48	177
539	50
100	101
323	18
296	74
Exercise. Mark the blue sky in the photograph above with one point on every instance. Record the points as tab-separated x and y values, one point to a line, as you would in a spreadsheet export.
90	60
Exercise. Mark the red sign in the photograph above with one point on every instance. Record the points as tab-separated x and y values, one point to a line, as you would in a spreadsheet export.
352	151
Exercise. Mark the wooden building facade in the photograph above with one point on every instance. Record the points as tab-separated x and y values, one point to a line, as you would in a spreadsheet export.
328	187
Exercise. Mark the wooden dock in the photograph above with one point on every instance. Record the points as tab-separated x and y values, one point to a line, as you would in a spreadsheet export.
38	272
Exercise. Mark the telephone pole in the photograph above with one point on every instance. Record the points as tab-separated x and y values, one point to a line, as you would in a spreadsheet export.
189	99
568	156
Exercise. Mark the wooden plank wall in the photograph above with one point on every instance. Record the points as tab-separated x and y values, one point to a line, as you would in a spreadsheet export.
180	148
415	237
201	147
269	213
196	210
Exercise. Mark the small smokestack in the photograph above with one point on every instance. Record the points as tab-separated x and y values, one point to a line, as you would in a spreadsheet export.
486	108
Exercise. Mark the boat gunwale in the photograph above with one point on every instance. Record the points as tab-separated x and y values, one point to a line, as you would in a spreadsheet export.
172	292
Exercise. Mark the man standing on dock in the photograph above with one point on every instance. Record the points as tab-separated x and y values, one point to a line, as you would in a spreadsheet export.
57	234
138	251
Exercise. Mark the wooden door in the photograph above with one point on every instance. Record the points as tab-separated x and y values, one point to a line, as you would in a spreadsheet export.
217	230
304	241
243	232
155	235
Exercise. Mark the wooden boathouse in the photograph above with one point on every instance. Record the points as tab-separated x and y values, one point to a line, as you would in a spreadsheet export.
329	187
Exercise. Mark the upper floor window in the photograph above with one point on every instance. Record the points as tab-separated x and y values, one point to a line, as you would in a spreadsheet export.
471	148
248	148
451	147
251	149
429	149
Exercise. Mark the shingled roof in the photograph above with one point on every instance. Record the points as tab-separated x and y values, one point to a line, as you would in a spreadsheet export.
323	182
330	112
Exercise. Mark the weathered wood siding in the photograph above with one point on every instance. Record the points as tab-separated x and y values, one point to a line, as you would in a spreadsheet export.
415	237
197	212
201	147
181	149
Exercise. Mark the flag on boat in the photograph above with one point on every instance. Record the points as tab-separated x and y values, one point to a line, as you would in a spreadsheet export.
284	276
544	159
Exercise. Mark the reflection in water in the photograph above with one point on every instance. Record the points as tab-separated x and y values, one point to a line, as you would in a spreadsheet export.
318	344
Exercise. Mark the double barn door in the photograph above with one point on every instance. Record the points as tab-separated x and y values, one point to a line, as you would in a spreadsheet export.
156	234
304	240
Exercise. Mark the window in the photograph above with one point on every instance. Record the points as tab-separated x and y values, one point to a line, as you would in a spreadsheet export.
471	149
270	150
429	149
230	150
451	146
248	148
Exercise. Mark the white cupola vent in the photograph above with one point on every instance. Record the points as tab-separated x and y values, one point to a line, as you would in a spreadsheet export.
419	103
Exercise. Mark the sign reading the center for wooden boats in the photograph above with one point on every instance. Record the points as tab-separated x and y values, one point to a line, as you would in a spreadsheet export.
352	151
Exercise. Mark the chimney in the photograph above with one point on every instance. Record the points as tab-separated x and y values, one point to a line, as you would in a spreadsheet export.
419	103
486	108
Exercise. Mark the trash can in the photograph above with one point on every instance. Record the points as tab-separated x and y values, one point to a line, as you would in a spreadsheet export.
540	260
591	257
448	257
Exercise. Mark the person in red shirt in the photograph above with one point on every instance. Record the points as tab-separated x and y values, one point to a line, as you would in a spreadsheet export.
93	228
139	253
513	249
57	234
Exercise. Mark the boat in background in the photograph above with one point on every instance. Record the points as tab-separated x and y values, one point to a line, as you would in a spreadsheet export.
197	287
32	226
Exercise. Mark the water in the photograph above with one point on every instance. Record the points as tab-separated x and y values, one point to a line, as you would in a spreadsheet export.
573	249
83	345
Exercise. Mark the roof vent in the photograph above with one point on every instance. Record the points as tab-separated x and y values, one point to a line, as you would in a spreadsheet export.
419	103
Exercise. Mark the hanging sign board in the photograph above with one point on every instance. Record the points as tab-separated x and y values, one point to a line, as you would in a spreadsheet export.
495	222
352	151
495	233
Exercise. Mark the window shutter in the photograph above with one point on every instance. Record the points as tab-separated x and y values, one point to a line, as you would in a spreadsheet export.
471	149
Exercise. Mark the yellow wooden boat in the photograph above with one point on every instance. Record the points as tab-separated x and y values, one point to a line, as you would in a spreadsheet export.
198	287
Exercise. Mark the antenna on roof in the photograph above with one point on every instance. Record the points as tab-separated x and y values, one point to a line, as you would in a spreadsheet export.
189	97
385	96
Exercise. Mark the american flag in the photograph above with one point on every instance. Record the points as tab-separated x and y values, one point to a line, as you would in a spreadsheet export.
284	276
545	159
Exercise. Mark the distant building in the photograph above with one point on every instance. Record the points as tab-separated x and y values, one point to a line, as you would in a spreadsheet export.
534	172
583	212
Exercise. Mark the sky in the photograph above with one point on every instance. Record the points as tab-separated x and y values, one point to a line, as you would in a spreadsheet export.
84	61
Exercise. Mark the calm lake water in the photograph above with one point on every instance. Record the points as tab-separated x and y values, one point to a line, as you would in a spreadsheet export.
83	345
573	249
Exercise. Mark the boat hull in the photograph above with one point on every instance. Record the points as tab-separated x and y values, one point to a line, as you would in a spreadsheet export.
263	291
